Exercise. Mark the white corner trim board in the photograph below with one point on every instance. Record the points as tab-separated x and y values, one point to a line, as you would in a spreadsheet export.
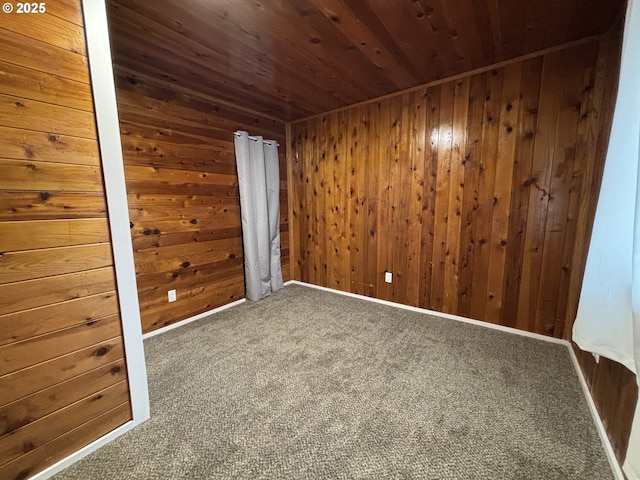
181	323
613	462
106	111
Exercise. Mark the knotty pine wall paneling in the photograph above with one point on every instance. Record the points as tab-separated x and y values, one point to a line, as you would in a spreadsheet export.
478	194
63	381
183	195
475	193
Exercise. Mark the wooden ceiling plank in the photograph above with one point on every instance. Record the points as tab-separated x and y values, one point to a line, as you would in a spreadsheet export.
364	14
166	52
493	8
463	23
584	21
260	33
414	37
236	65
150	59
359	33
295	58
512	20
535	14
316	35
558	21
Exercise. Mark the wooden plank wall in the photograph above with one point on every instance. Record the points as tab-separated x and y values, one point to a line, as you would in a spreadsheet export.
63	379
478	194
475	193
183	196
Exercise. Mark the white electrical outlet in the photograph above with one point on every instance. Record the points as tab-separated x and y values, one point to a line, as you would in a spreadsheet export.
388	277
172	295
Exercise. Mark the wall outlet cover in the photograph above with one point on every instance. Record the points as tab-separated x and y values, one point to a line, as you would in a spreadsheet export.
172	295
388	277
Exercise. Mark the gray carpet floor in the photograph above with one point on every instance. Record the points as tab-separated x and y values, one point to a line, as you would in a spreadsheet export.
309	384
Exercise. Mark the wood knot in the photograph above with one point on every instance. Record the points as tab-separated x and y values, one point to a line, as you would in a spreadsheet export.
23	474
186	264
44	196
101	351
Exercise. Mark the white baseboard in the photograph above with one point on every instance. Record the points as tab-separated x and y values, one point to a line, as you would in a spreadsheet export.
608	448
449	316
84	451
613	461
191	319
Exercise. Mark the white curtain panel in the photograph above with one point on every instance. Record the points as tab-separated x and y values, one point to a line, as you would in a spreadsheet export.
259	184
608	321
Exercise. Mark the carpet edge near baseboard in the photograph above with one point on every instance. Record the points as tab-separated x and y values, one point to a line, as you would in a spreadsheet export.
606	443
186	321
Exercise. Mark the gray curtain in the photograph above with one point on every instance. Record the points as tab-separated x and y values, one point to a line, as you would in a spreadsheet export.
259	182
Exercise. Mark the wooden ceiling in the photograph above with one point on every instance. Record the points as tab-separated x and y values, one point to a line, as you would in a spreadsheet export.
294	58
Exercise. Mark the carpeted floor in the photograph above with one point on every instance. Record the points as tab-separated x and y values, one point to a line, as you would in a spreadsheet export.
309	384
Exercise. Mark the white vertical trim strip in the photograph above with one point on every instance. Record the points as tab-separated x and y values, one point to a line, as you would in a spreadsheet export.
104	97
